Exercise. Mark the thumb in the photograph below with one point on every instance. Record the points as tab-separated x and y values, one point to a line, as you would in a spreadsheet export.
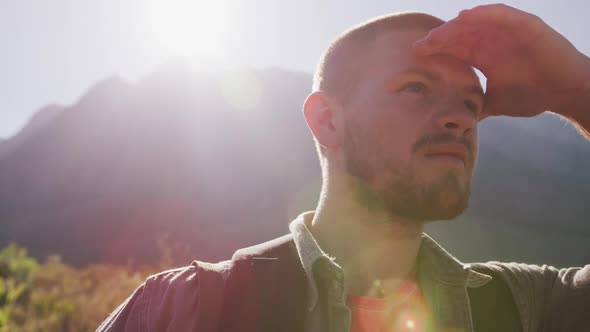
516	100
491	104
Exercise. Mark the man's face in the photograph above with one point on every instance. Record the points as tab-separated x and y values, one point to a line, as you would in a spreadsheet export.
411	129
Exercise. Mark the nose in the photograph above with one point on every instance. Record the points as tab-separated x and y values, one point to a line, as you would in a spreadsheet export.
456	117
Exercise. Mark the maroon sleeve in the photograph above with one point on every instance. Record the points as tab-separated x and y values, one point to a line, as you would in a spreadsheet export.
127	317
183	299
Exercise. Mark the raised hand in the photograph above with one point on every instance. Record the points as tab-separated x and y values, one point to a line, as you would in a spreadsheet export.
530	68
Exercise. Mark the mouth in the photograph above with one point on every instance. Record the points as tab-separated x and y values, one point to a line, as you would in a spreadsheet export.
449	153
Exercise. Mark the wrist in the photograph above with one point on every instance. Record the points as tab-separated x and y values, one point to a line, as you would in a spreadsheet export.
579	101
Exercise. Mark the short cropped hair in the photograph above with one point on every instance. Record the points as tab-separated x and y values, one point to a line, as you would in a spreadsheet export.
341	63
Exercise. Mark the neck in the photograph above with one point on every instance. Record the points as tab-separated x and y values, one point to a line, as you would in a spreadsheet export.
369	243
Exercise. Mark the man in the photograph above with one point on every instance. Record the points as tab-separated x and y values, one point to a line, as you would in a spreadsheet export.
394	112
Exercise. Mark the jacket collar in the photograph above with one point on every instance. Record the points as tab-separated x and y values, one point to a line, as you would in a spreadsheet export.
434	262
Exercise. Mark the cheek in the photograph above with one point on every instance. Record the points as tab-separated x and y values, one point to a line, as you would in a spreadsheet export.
398	125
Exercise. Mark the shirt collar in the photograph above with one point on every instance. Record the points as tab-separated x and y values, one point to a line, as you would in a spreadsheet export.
309	252
433	260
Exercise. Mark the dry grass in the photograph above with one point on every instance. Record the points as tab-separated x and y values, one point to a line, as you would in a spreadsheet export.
54	296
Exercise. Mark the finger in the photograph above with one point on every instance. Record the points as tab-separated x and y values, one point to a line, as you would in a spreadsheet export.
509	18
439	38
464	44
498	13
452	31
445	38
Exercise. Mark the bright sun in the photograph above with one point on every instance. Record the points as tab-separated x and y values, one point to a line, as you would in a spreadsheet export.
196	29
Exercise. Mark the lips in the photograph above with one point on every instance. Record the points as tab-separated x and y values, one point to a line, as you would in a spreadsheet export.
453	152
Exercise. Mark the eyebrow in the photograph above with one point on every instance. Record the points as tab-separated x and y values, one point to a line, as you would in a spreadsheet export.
432	76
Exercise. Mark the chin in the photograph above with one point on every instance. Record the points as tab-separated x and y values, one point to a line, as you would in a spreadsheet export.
448	205
429	213
445	213
428	204
413	193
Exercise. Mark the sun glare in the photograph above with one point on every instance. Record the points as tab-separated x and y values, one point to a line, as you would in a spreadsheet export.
191	28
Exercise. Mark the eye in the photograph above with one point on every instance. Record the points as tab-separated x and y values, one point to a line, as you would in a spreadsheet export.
472	106
415	87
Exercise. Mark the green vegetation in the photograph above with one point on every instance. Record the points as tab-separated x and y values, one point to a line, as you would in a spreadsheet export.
54	296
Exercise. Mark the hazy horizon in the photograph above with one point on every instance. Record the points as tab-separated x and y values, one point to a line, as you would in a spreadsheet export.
54	52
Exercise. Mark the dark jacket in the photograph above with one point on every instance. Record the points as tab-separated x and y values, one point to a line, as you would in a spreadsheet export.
263	288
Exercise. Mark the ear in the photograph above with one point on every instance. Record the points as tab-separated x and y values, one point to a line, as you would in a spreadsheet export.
324	119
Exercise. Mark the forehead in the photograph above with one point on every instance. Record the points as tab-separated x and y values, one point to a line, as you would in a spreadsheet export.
393	53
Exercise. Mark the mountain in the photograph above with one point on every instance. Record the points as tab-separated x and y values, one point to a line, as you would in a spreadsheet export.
37	122
209	163
176	154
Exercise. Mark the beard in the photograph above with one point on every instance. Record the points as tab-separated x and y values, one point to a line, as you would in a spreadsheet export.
397	187
442	198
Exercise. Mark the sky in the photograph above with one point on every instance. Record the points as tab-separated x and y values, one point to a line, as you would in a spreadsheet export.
53	51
